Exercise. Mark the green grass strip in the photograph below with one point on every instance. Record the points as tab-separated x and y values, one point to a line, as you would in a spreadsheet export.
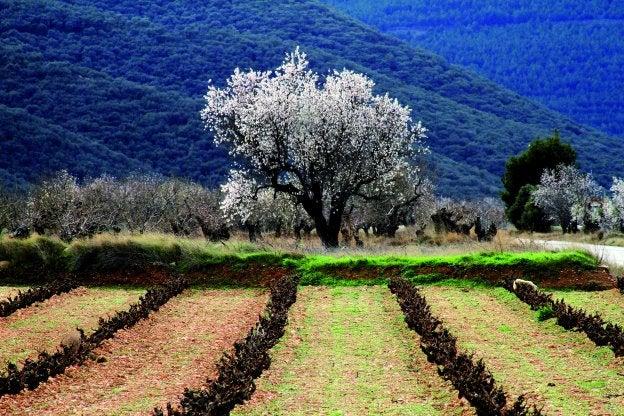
329	270
38	255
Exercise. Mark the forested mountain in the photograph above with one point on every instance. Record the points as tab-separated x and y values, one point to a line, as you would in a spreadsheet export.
95	86
565	54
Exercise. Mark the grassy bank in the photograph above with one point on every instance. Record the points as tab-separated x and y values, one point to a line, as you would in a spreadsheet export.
330	270
35	258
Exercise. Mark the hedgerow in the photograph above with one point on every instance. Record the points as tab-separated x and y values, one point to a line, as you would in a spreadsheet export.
38	294
237	371
470	378
597	329
35	372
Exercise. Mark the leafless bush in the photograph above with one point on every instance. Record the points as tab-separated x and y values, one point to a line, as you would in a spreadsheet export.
139	203
461	216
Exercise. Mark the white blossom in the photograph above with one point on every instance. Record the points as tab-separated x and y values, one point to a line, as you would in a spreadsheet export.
321	142
565	195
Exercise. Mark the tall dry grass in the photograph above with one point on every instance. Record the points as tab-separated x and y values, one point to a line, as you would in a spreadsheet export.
405	243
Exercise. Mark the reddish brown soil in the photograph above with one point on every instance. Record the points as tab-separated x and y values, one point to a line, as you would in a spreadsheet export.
567	278
40	327
260	275
252	275
151	363
548	364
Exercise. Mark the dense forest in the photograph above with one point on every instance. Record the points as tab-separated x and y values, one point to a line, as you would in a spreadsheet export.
567	55
116	87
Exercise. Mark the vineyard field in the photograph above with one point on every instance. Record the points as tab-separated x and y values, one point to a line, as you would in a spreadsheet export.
346	351
608	303
561	370
40	327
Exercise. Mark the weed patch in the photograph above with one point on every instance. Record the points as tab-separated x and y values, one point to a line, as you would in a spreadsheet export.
544	313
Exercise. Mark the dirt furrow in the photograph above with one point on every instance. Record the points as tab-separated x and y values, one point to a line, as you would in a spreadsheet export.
40	327
560	369
608	303
151	363
348	351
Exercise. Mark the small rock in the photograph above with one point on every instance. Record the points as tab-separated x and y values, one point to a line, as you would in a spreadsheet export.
101	359
551	384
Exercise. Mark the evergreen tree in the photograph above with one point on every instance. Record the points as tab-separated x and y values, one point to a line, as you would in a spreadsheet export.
526	169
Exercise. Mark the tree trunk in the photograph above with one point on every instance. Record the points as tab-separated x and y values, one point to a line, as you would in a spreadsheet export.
328	229
328	233
252	230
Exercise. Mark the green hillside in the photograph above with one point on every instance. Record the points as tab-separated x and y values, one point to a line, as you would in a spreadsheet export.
119	86
567	54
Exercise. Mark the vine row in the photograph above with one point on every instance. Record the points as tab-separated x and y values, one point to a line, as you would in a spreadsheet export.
620	283
35	372
237	372
602	333
472	379
37	294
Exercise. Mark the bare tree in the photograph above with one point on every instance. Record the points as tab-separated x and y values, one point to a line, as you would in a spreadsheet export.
51	205
142	203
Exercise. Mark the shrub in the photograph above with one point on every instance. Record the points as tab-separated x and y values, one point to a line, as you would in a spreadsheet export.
545	313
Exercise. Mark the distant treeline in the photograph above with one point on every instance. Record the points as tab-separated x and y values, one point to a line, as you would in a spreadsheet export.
63	207
98	87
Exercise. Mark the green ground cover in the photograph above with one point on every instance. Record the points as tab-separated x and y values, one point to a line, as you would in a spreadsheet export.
34	256
559	369
41	327
11	291
347	351
608	303
328	270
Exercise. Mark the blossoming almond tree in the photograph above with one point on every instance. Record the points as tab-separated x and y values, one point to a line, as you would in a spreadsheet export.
565	195
321	142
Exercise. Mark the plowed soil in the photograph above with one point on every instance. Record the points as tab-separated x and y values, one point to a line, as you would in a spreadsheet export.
41	326
150	364
561	370
347	351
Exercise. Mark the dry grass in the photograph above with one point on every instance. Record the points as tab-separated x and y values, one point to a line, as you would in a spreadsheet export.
406	243
608	239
